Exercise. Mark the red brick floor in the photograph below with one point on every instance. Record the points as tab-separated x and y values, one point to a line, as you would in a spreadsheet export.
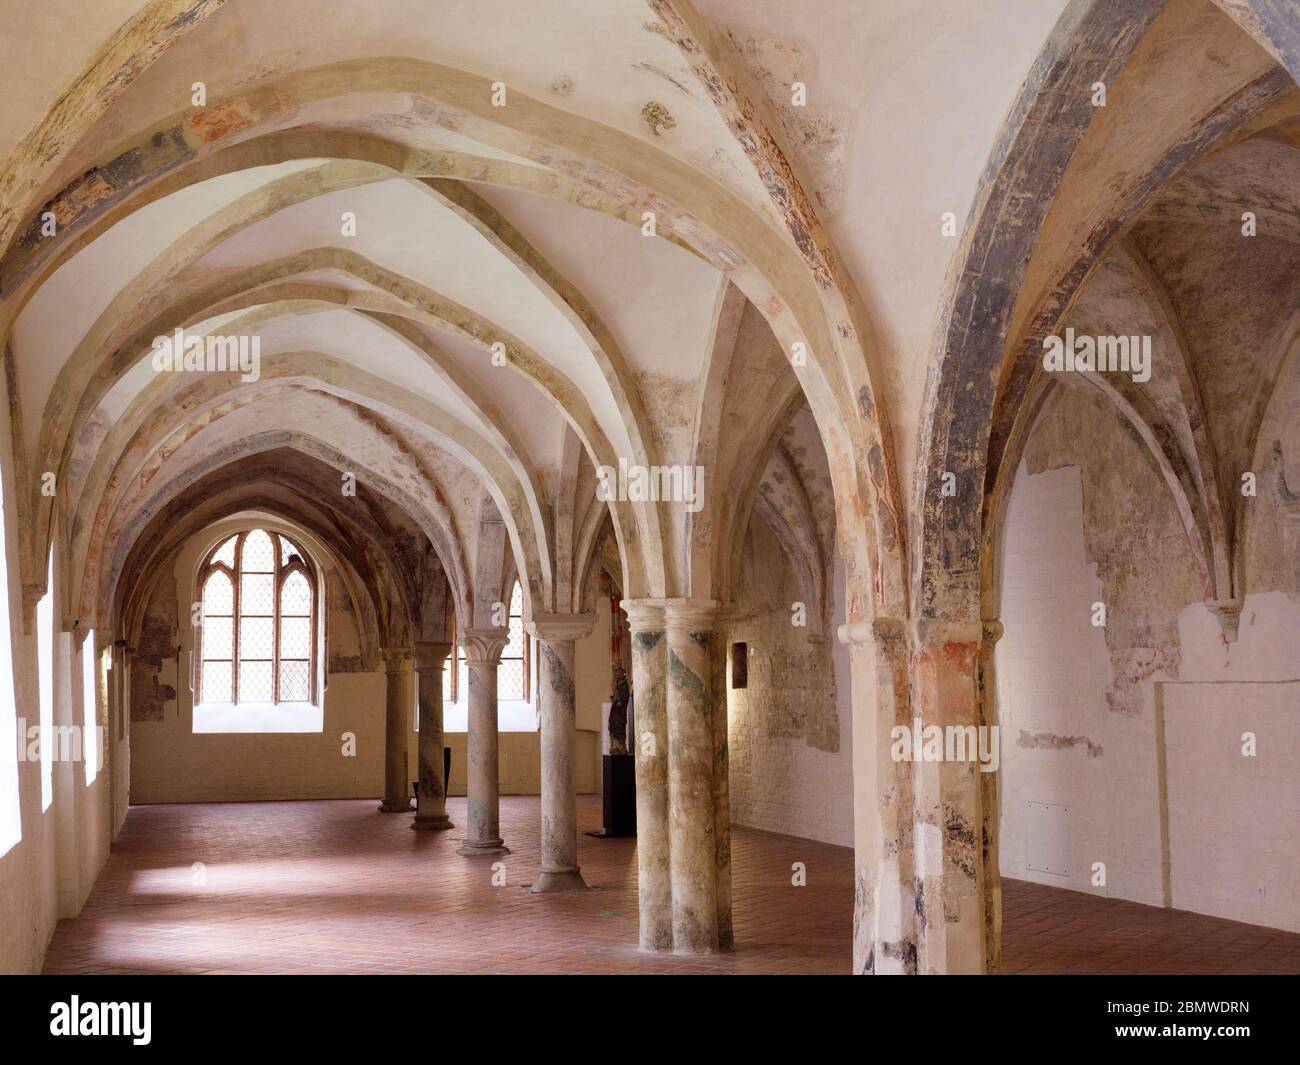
330	887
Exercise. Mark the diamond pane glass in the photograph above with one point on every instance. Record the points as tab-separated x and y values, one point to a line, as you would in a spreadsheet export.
510	679
225	554
287	550
257	594
216	637
255	682
218	599
259	553
295	637
293	682
216	683
256	638
295	596
515	646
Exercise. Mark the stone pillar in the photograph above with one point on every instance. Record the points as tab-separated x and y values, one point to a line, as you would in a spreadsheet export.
483	649
718	687
884	916
397	667
557	635
691	834
431	803
991	633
650	748
949	798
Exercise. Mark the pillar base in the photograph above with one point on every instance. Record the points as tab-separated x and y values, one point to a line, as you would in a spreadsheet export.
396	806
559	880
489	848
439	823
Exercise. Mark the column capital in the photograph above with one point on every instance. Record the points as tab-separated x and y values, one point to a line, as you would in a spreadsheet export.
557	627
484	646
644	615
396	659
930	633
430	654
697	615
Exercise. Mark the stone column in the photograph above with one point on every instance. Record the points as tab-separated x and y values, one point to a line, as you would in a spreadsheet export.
483	649
991	633
650	748
431	803
884	915
691	832
948	798
397	667
557	635
718	687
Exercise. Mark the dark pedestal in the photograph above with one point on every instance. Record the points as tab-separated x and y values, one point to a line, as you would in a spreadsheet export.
618	774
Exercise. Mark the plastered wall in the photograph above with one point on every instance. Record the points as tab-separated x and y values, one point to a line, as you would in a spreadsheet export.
171	763
789	729
1136	728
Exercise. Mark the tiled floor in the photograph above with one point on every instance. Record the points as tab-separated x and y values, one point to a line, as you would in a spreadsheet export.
338	887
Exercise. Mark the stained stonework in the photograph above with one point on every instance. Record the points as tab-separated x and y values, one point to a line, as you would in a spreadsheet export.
153	665
1132	534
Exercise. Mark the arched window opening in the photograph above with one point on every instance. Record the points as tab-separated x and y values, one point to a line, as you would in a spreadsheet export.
258	622
512	675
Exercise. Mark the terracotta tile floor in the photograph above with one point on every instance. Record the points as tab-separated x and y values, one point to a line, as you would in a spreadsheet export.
328	887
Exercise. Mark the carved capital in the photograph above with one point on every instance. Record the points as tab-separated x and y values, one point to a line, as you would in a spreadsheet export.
396	660
555	628
483	647
430	655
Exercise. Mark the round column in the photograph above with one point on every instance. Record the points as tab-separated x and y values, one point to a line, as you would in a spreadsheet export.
557	637
650	747
483	649
431	803
397	667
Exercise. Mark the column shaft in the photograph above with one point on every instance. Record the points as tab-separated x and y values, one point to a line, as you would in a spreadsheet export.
483	828
431	803
557	650
396	725
650	747
691	829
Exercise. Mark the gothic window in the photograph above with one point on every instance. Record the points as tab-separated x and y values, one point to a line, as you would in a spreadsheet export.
257	630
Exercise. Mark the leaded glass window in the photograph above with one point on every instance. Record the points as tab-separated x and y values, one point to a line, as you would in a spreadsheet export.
258	624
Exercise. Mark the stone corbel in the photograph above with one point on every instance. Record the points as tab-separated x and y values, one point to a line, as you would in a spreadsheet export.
1228	611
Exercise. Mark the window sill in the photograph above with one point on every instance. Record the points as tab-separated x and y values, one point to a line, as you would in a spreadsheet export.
258	717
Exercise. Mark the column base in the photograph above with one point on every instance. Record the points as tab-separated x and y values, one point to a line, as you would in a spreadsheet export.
488	848
396	806
559	880
433	823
